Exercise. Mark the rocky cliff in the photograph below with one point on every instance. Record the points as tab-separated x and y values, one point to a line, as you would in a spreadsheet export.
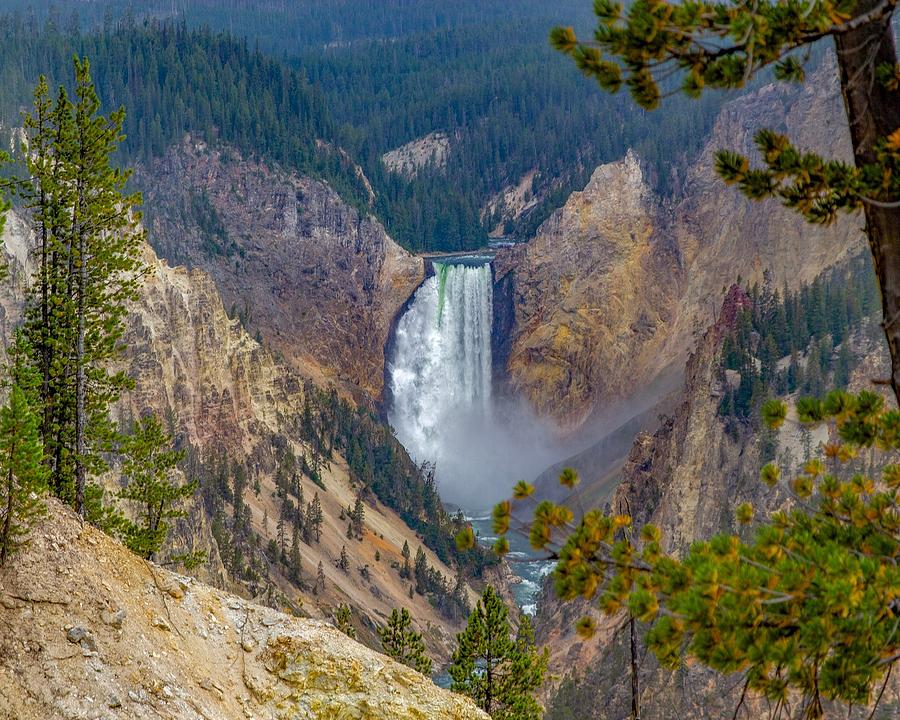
228	396
89	630
609	295
319	281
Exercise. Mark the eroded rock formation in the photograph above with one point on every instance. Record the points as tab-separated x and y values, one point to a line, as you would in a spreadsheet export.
318	280
610	294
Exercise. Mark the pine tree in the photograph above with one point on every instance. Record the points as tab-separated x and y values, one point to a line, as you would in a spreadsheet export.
844	365
317	517
343	619
49	310
320	578
149	468
813	587
105	246
88	268
358	516
402	643
279	531
500	673
296	561
405	570
526	674
23	475
344	562
460	597
420	570
308	525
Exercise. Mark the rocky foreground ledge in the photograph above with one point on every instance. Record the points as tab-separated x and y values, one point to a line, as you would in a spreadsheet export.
88	630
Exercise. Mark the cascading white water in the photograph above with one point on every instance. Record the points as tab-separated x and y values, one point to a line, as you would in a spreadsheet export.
440	368
442	408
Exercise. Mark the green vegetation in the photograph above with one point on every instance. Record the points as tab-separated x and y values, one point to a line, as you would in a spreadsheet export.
88	269
381	467
401	642
343	620
149	467
23	476
501	672
182	82
57	425
807	605
786	342
509	108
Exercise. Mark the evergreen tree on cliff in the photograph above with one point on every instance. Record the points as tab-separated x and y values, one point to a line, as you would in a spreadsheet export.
88	270
713	45
501	673
22	472
149	468
401	642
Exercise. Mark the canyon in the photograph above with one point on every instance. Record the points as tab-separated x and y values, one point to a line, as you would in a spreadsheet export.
615	287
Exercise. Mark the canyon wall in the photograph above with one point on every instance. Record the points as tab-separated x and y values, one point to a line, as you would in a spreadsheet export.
686	477
315	279
613	290
226	395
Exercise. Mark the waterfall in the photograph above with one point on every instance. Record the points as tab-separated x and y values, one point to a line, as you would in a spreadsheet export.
442	408
440	367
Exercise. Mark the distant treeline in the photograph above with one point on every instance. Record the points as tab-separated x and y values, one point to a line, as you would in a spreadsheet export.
508	102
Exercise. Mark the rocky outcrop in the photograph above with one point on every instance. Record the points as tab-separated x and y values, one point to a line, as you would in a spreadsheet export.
431	150
188	357
590	293
609	295
89	630
319	281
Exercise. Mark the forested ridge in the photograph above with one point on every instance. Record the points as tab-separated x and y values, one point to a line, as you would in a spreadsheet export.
804	341
510	108
176	81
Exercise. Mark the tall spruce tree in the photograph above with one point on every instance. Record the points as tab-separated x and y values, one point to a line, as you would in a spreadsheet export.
149	468
107	270
402	643
420	571
501	673
320	578
88	270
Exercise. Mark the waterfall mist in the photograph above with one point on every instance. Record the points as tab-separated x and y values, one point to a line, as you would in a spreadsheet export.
443	409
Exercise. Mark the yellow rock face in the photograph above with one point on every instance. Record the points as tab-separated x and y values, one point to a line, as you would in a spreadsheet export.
89	630
611	293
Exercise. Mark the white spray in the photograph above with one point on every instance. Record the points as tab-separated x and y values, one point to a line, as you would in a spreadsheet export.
443	410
